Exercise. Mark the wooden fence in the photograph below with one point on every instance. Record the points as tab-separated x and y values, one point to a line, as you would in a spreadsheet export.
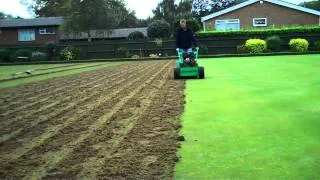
99	49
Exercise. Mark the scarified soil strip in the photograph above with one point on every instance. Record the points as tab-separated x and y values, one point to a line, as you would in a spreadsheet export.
24	116
127	130
26	91
47	73
23	98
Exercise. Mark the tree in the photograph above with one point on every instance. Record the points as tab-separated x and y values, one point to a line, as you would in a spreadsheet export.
312	5
144	22
184	9
205	7
5	16
50	8
166	11
170	12
130	20
87	15
158	29
202	8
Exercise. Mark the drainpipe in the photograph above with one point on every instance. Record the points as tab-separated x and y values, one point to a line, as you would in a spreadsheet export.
204	26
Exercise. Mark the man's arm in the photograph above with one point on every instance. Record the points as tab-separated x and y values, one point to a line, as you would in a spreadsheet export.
177	39
178	43
193	38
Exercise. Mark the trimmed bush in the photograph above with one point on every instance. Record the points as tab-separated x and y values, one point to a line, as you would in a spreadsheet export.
316	46
39	56
256	45
135	57
122	52
158	29
23	53
242	49
274	43
136	35
71	53
203	49
159	42
50	47
5	55
262	32
299	45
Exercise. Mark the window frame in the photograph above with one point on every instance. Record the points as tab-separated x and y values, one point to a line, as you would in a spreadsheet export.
228	21
26	30
218	20
43	31
259	25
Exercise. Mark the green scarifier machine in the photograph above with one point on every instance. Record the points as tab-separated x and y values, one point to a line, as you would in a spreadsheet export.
184	70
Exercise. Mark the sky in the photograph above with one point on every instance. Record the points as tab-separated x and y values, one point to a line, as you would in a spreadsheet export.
143	8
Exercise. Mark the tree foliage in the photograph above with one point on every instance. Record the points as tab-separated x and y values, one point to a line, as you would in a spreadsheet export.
312	5
158	29
83	15
205	7
170	12
50	8
6	16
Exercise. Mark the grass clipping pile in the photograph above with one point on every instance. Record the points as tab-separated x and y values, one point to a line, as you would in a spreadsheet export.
114	123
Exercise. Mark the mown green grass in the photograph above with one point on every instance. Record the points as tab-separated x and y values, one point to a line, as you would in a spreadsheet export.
253	118
7	71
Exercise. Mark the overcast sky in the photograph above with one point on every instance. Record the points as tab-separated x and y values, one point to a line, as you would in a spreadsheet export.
143	8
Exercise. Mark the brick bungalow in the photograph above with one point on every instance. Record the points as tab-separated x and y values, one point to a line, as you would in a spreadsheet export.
29	31
260	13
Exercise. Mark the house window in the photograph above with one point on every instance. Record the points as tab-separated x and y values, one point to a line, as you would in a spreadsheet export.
260	22
47	31
228	24
26	35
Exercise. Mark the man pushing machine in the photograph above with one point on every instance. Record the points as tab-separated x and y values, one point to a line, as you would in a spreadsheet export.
185	39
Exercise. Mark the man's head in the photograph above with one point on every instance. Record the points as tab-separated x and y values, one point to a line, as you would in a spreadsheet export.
183	23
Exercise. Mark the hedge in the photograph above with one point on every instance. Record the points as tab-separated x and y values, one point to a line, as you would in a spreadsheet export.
264	32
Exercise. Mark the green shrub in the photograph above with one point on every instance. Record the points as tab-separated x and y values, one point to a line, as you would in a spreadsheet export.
39	56
274	43
316	46
23	53
136	35
135	56
256	45
5	55
50	47
158	29
71	53
262	32
159	42
299	45
242	49
122	52
203	49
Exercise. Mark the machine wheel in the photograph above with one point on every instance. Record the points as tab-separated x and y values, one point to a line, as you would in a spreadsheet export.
201	72
176	73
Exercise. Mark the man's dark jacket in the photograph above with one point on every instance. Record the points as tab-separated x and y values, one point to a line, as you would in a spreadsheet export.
185	38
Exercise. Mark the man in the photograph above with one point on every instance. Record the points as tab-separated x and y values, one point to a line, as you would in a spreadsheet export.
185	37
